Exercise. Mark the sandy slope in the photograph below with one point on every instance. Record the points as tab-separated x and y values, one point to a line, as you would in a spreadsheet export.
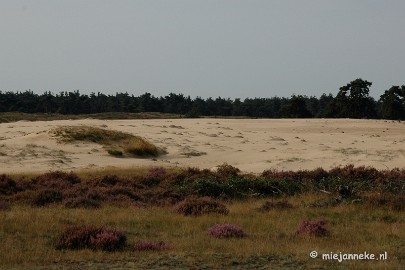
252	145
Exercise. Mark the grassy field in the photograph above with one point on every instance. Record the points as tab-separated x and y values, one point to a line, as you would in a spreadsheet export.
28	236
143	203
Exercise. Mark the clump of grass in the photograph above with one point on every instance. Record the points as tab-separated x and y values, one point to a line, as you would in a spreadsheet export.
115	152
115	141
96	238
199	206
394	202
148	245
328	202
226	230
140	147
313	228
225	170
280	205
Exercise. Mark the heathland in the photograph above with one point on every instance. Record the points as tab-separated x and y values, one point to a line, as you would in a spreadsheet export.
202	193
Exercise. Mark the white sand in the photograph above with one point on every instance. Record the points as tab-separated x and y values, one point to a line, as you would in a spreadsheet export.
252	145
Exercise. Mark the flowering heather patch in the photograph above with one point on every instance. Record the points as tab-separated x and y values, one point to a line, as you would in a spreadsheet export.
108	239
269	205
313	228
4	206
226	231
97	238
148	245
199	206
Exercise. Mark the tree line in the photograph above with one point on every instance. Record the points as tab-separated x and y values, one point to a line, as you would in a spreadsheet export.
352	101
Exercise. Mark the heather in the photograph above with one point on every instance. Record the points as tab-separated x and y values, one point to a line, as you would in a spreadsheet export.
149	245
165	186
314	227
198	206
87	236
226	231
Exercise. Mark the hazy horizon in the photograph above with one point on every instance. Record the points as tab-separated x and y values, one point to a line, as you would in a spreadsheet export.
209	48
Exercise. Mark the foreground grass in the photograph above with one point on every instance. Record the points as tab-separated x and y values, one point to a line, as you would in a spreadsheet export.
363	209
28	236
116	142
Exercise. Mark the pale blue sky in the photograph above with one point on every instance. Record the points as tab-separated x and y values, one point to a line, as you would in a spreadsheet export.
228	48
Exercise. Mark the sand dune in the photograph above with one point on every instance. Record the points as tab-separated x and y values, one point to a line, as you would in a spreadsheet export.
252	145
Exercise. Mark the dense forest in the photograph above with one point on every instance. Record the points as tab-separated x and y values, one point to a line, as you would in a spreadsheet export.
352	101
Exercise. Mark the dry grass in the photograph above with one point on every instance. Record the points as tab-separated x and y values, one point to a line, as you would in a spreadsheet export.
115	142
28	236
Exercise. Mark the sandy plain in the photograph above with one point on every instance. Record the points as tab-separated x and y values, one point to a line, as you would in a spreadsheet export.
252	145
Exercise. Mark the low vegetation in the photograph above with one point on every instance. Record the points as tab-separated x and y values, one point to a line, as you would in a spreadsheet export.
96	238
314	227
115	142
226	231
105	219
149	245
198	206
271	205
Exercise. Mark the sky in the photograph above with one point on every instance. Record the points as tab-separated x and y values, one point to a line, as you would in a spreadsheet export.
206	48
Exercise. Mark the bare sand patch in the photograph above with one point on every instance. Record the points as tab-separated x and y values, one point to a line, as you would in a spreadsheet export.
252	145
